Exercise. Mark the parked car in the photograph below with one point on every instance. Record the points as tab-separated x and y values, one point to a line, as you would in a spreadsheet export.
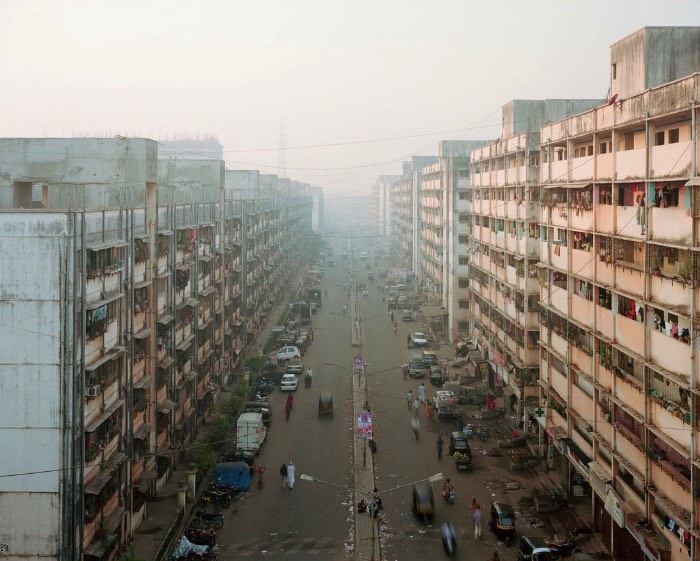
407	315
418	339
288	353
261	407
288	383
239	456
295	366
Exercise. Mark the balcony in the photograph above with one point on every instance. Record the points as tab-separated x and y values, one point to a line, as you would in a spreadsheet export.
630	164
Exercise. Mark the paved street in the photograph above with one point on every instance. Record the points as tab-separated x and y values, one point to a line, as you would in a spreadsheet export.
313	519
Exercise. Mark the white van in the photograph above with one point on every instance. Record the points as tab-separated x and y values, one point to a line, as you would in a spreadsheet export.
250	432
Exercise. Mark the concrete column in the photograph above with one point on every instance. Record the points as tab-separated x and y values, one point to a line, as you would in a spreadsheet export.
191	482
181	495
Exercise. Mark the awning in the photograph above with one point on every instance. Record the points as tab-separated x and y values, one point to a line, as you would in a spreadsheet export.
237	323
191	375
188	302
163	274
579	458
99	546
97	483
145	332
115	352
163	452
165	319
165	232
695	182
104	245
144	480
185	343
143	382
206	257
184	266
556	432
557	186
165	363
142	284
205	323
106	300
106	415
208	290
115	460
143	431
166	406
112	522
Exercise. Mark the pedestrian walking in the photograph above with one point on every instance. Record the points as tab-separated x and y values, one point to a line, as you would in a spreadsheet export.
416	406
391	315
477	521
409	399
421	393
291	470
283	473
439	444
311	333
395	329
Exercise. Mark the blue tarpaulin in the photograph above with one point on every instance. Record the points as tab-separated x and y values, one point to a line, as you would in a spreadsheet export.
233	473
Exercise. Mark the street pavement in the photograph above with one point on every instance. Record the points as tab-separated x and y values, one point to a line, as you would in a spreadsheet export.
319	519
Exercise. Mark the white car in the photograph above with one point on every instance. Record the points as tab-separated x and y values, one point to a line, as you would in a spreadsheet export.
288	383
419	339
288	353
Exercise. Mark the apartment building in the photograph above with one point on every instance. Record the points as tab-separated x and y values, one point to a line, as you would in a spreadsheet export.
443	238
504	251
123	316
383	204
618	278
406	191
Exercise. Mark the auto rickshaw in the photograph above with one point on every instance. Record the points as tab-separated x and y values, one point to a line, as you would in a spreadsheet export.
502	522
459	449
370	276
325	404
436	376
422	503
534	549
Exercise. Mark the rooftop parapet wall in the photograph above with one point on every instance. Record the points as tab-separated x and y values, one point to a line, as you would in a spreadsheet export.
669	99
91	173
190	180
529	115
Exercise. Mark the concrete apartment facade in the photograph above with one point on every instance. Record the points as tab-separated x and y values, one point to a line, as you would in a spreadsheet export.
123	316
406	191
618	219
504	251
444	238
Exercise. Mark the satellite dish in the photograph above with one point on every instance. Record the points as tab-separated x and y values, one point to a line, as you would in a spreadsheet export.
613	99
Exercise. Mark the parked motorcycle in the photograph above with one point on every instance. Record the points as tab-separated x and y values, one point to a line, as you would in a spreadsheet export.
201	536
483	433
185	548
204	519
217	498
227	488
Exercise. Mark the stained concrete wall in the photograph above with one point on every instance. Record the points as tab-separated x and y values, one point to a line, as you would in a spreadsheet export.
653	56
86	173
183	181
33	381
528	115
242	184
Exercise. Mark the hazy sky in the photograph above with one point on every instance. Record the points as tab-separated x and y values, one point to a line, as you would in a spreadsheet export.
353	73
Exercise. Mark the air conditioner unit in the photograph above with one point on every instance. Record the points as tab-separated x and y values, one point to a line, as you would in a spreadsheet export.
93	391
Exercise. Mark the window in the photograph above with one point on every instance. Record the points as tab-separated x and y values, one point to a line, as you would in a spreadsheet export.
463	283
463	239
463	326
606	147
463	260
673	136
614	71
659	138
464	304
